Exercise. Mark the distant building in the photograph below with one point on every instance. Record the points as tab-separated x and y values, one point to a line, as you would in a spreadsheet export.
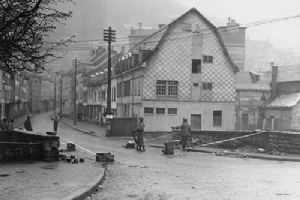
136	35
182	70
234	37
94	86
282	112
252	90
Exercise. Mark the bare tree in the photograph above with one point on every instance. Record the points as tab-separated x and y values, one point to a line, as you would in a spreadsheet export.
25	27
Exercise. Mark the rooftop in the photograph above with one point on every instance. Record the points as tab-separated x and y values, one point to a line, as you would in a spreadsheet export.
286	100
246	80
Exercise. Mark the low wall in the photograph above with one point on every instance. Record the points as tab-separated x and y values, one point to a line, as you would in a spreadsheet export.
287	142
18	145
260	140
17	151
122	126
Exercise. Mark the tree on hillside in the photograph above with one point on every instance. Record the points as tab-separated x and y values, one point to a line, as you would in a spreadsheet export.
25	29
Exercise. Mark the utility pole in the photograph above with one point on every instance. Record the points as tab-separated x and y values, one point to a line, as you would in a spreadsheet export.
75	92
109	36
61	98
54	102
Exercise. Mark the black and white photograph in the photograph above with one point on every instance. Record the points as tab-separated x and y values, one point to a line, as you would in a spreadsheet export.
149	100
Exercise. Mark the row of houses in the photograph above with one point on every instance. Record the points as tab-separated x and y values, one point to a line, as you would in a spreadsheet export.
186	69
24	92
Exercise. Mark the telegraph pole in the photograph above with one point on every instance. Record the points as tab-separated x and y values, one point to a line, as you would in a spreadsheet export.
109	36
54	102
75	92
61	98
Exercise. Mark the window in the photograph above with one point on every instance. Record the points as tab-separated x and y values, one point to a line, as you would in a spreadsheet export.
172	111
196	66
119	90
160	111
207	86
208	59
217	118
161	87
164	88
127	88
103	95
148	110
196	84
173	88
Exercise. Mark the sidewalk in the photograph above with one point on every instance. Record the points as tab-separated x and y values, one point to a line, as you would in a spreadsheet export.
86	127
54	180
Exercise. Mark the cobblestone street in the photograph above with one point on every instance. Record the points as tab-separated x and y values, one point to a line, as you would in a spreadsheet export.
186	175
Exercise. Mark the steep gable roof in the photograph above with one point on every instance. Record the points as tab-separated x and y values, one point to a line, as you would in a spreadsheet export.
160	35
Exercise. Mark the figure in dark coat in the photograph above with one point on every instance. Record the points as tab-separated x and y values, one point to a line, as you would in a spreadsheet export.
55	124
140	134
27	124
185	132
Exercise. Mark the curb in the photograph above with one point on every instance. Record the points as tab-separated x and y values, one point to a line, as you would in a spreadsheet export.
91	134
79	130
248	155
88	189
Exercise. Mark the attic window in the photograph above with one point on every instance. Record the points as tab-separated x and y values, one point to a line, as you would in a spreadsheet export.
207	59
186	27
254	77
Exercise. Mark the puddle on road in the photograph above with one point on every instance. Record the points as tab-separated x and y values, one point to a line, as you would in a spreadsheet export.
4	175
49	166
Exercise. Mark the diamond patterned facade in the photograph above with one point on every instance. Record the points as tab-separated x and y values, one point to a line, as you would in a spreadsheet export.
173	59
173	49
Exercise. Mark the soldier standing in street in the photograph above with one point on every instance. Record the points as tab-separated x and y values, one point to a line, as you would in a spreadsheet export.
55	124
185	132
140	134
27	124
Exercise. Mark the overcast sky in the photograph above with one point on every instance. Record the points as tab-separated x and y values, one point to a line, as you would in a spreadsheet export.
90	14
284	34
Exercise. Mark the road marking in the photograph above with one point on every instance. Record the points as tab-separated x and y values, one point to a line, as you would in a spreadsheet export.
87	150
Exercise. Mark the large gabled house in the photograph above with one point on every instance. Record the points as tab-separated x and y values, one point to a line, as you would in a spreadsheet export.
181	71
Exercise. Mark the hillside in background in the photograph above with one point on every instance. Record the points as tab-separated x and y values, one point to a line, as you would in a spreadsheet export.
259	55
92	16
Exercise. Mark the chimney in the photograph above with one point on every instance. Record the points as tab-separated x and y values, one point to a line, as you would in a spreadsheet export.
274	81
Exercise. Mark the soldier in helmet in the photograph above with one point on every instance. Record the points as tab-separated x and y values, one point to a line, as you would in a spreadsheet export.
185	132
140	134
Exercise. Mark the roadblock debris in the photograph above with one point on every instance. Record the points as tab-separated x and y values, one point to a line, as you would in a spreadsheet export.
105	157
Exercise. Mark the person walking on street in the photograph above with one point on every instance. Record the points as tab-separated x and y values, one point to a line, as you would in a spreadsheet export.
3	125
55	124
27	124
140	134
185	132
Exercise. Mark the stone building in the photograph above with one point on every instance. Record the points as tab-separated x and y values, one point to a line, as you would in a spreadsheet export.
282	112
182	70
252	91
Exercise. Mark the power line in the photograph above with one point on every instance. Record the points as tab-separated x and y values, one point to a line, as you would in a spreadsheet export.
247	25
